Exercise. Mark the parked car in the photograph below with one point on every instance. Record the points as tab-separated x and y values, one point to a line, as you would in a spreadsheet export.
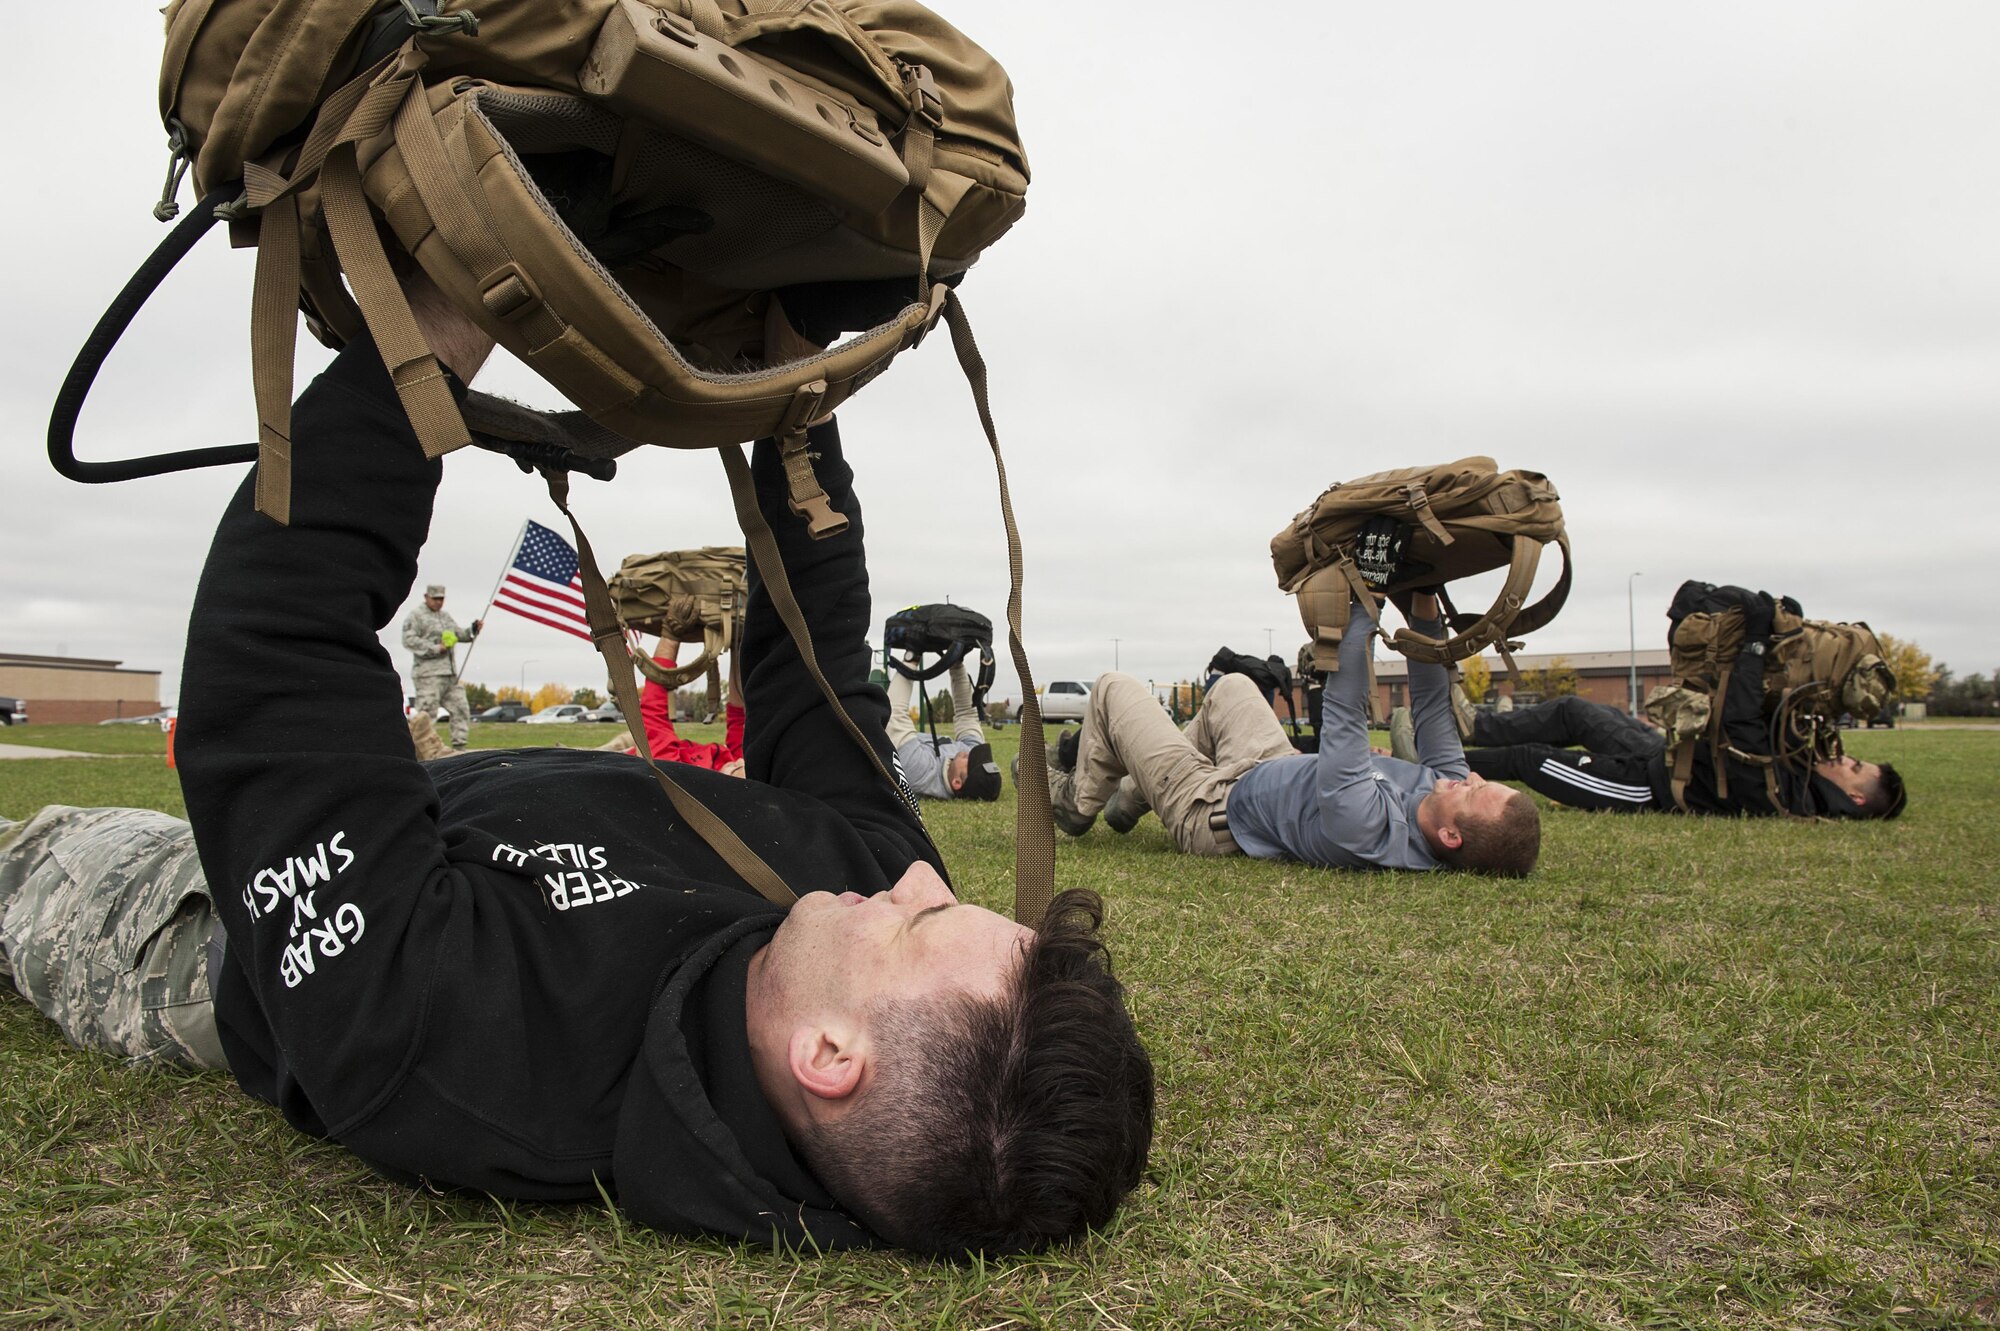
1062	700
13	712
608	712
562	713
506	711
161	718
410	707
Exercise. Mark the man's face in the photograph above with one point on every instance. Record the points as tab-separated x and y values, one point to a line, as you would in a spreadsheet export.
1473	800
842	954
955	770
434	602
1855	778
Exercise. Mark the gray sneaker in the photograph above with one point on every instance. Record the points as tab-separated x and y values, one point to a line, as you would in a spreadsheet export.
1062	802
1125	808
1403	735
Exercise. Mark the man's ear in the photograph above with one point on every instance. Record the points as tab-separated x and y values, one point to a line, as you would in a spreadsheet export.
1449	836
827	1063
1857	796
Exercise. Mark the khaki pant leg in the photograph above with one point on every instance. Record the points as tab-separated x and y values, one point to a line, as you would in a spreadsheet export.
1235	725
104	923
1126	731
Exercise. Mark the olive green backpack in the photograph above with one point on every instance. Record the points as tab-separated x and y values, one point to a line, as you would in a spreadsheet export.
670	209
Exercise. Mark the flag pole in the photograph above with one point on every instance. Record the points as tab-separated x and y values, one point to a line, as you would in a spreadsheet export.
491	596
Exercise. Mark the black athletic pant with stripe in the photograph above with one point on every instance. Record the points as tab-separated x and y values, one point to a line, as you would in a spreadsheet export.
1613	770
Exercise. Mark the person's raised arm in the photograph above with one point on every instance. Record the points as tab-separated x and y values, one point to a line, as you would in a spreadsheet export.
965	727
792	737
1438	745
1352	803
1743	719
315	822
656	700
901	729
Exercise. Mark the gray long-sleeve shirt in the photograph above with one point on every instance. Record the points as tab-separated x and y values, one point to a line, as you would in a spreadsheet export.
1345	807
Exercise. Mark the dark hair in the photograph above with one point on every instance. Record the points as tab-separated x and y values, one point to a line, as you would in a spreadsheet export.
1505	845
1000	1126
1885	798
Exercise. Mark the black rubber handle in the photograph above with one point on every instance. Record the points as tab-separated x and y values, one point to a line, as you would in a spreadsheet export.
83	373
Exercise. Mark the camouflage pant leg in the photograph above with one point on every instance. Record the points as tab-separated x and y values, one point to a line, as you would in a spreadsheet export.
434	691
104	926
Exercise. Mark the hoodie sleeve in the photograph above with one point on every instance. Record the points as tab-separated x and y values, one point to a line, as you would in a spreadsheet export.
318	828
792	737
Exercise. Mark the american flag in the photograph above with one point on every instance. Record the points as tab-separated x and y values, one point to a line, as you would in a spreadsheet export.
543	585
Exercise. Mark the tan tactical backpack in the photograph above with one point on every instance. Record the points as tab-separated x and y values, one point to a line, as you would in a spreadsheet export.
1843	660
1394	532
670	209
687	595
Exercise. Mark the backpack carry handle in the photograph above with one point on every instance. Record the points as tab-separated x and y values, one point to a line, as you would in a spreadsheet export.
117	317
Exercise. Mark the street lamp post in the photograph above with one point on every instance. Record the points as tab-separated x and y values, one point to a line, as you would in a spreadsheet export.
524	678
1114	652
1267	642
1632	643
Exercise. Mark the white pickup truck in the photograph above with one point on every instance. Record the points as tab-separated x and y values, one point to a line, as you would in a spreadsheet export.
1062	700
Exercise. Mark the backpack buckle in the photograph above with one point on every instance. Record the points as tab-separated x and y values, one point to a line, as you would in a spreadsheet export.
921	91
508	294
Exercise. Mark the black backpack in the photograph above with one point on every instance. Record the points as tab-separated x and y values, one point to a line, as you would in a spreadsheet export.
1270	674
952	633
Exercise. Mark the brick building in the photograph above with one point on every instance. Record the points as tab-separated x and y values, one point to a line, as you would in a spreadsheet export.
74	690
1600	676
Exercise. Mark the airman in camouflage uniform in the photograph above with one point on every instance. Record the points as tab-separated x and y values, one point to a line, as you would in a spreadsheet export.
431	635
104	926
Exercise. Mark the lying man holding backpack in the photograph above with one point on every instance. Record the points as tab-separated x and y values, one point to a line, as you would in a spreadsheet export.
961	767
519	971
1732	767
1232	782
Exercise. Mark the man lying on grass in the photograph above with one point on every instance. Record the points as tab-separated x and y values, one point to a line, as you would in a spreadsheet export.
1232	782
518	971
1623	766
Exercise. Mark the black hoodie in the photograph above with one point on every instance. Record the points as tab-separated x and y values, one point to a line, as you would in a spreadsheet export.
516	971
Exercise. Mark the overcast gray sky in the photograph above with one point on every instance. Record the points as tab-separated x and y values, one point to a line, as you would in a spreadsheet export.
1728	272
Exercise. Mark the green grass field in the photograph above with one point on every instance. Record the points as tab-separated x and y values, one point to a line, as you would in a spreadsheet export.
1692	1073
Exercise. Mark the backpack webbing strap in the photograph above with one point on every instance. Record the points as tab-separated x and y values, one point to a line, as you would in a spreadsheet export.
274	329
419	379
1035	829
1683	772
609	636
274	307
1715	743
1495	624
461	223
